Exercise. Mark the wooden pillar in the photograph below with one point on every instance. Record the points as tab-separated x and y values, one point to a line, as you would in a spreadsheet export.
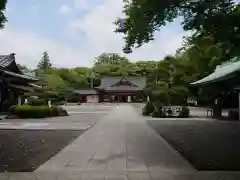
239	105
19	101
217	108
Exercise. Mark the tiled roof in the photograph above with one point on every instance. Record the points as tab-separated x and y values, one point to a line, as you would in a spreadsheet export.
21	87
123	88
223	71
86	91
138	81
7	60
8	66
22	76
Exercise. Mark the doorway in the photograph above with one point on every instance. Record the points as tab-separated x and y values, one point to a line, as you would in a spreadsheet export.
120	98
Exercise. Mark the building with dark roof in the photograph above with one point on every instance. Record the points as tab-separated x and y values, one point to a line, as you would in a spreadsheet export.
115	89
13	83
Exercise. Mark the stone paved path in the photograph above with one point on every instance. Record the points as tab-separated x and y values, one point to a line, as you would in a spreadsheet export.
120	142
121	146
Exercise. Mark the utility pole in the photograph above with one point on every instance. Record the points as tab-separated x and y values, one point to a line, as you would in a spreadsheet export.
92	75
156	73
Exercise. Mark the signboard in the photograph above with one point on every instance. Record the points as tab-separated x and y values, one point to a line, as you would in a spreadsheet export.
172	110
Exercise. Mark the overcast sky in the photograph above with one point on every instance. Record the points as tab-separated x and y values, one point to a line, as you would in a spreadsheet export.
73	32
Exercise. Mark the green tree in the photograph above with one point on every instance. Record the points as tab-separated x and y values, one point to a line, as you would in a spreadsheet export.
2	9
24	69
110	64
44	63
111	58
143	18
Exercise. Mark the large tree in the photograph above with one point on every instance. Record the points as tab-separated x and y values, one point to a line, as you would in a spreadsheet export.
2	9
111	58
144	17
44	63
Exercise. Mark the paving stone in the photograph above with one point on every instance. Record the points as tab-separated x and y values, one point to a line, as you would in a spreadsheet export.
22	176
136	164
139	176
4	176
69	176
116	177
117	162
45	175
97	165
93	176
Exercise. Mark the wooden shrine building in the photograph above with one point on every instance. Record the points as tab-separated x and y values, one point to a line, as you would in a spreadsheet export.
13	83
115	89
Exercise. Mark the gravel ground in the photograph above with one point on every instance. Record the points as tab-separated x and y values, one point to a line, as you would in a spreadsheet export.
25	150
207	145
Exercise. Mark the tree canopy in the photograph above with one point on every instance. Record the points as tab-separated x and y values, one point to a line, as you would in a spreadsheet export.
111	58
2	16
45	63
143	18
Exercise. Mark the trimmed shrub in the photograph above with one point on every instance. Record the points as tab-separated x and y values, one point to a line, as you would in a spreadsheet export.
157	110
157	113
147	109
36	102
36	111
233	115
184	112
59	111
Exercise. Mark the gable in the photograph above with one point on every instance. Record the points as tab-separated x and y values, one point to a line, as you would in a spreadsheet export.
110	81
124	82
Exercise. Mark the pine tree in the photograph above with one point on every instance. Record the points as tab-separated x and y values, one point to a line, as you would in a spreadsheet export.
44	63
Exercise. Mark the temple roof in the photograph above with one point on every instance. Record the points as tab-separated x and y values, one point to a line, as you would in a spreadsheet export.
123	88
8	66
109	83
8	62
222	72
21	76
86	91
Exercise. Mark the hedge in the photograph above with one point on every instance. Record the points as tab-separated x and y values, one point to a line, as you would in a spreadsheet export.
185	112
28	111
36	102
156	110
147	109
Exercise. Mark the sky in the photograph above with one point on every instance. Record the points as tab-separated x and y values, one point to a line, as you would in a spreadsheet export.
74	32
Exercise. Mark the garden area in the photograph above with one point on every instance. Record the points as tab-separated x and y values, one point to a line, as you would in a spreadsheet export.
159	111
35	108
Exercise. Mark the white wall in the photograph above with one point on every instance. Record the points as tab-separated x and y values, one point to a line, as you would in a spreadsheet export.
92	99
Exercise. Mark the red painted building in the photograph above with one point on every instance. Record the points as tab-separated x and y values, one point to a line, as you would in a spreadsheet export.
115	89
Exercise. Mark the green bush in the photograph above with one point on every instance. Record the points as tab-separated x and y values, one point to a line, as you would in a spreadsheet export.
27	111
233	115
185	112
147	109
157	113
59	111
157	110
36	102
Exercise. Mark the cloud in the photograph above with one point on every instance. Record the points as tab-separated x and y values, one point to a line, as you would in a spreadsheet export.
29	48
64	9
98	27
82	4
88	36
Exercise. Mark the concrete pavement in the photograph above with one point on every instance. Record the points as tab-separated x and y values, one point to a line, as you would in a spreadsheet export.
120	146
